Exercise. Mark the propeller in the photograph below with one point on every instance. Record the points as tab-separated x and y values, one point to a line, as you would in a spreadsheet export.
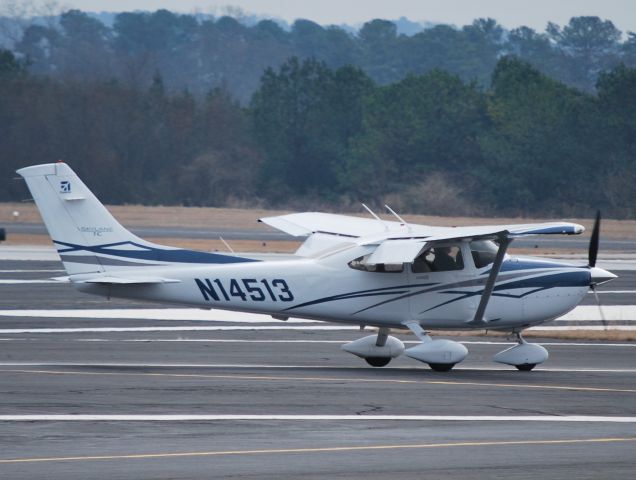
592	254
600	308
594	240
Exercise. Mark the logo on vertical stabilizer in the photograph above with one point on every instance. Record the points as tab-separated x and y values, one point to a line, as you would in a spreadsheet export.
65	186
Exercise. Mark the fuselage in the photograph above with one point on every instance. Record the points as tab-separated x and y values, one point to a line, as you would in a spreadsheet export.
528	290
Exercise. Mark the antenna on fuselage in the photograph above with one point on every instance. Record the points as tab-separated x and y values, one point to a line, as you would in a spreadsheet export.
375	216
226	244
404	222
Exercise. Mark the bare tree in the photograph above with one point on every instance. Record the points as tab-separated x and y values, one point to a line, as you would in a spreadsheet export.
17	15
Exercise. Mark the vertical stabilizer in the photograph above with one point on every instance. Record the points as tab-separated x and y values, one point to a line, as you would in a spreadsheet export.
78	223
87	236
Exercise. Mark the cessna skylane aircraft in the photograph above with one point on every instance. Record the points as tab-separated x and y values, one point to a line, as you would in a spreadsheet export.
351	270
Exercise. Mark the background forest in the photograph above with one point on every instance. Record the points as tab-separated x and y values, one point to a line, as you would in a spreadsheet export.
160	108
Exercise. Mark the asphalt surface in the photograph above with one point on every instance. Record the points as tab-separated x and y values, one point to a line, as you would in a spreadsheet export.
350	421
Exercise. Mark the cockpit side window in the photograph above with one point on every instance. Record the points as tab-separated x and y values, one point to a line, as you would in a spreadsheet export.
439	259
359	264
483	252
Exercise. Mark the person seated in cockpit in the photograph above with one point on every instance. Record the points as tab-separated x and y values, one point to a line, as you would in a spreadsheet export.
443	260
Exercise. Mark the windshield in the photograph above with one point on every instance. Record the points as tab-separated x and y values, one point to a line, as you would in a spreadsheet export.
483	252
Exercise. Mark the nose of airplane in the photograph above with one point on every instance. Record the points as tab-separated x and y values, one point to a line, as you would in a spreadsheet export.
598	276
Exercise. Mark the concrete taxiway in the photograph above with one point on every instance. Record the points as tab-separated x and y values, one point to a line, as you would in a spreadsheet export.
123	395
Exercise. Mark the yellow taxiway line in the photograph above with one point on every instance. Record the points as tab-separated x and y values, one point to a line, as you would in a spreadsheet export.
361	448
329	379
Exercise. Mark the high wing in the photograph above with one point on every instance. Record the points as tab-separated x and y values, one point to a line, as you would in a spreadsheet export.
307	223
304	224
398	242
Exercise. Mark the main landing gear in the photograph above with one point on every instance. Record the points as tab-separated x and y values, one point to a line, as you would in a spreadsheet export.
440	354
377	350
524	356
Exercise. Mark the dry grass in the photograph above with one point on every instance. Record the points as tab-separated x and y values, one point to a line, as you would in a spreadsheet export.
142	216
201	244
192	217
244	219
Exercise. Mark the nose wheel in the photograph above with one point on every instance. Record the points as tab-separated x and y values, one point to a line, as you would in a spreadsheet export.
526	367
378	361
441	367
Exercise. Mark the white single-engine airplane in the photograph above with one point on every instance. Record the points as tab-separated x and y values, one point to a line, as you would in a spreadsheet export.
367	272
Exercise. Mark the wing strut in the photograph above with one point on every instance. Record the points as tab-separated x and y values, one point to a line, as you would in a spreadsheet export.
504	241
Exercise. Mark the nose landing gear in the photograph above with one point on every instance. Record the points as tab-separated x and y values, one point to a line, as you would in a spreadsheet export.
524	356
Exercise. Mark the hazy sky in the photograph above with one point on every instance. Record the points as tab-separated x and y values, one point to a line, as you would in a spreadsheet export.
510	13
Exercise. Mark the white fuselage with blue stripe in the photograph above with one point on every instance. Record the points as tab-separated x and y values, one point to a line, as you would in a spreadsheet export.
527	291
349	270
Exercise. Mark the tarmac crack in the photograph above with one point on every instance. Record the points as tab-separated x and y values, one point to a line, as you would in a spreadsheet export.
524	411
369	409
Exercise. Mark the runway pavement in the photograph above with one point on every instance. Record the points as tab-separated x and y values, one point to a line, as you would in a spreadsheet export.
97	389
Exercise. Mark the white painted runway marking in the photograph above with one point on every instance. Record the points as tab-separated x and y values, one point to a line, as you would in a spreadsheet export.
15	282
357	418
581	327
611	312
633	292
254	327
24	252
31	271
296	367
275	340
175	329
173	314
579	314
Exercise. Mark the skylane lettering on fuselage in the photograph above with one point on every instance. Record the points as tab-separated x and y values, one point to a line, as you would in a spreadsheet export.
245	289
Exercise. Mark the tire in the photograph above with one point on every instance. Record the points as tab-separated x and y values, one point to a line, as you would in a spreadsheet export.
441	367
526	367
378	361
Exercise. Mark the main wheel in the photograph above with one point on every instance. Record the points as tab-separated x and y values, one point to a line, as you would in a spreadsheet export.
441	367
526	367
378	361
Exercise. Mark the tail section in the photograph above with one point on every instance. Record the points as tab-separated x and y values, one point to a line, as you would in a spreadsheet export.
87	236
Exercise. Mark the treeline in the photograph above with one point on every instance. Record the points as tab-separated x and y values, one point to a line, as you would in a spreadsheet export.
315	137
199	53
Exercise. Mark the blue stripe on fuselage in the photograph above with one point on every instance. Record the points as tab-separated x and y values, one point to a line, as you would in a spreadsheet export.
516	264
579	278
152	253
